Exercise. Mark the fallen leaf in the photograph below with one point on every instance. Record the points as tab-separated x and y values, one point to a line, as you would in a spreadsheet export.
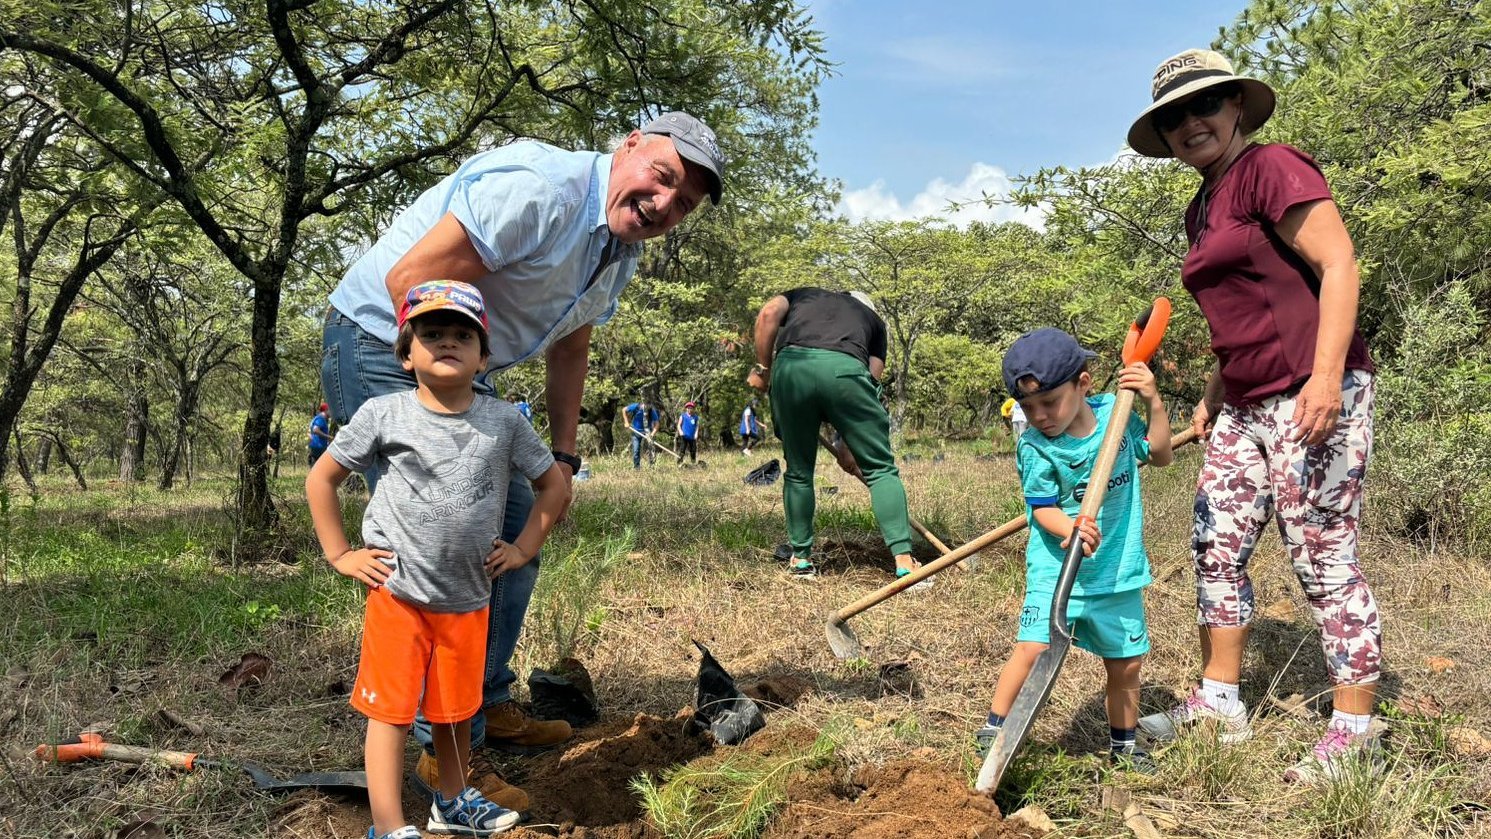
1467	742
174	720
252	669
1035	817
1439	664
1425	706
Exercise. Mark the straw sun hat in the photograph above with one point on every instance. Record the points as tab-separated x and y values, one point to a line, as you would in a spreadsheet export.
1187	74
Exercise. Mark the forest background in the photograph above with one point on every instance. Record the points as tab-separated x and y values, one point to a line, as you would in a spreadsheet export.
181	186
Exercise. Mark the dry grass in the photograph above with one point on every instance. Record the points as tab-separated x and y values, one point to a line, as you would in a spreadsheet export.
702	568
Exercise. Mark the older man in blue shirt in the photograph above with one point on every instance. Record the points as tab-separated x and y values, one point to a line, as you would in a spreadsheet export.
551	237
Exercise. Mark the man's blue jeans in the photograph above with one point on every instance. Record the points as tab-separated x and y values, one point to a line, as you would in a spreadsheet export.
638	447
355	367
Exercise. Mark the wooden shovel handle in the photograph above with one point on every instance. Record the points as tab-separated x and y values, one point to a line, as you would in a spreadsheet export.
91	746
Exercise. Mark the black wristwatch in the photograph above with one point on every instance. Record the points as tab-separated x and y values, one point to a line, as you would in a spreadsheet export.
571	460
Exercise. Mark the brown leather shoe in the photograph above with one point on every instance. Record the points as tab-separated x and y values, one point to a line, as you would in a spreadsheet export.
482	775
511	729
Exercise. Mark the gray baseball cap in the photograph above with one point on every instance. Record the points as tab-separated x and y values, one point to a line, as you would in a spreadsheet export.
695	143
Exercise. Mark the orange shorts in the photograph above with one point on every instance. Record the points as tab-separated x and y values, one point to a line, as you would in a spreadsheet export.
405	648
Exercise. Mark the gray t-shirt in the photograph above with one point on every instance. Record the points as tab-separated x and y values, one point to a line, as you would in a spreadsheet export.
441	492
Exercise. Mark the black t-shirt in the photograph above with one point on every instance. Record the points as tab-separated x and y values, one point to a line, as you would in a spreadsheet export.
832	320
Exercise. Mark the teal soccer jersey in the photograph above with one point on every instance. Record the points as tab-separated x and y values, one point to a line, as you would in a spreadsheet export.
1054	472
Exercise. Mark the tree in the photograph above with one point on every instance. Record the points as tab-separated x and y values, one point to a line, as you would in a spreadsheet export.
257	120
67	217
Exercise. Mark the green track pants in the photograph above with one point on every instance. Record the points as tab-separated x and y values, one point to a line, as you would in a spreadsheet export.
810	387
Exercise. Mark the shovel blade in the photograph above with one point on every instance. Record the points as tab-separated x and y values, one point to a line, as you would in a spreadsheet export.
841	639
342	782
1017	724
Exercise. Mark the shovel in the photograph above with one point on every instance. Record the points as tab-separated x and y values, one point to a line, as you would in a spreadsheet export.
90	746
915	525
654	442
1144	338
842	639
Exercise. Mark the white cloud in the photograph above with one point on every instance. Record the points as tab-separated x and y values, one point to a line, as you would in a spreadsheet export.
876	203
946	61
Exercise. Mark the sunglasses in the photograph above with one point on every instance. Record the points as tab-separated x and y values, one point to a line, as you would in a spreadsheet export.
1169	118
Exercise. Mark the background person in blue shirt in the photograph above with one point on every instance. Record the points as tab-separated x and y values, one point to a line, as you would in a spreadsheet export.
644	418
522	405
320	434
688	433
750	428
1046	370
550	237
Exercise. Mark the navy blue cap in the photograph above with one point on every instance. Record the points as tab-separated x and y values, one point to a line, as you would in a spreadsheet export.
1049	355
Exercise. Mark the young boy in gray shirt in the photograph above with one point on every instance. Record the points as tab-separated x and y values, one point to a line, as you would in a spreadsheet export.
444	454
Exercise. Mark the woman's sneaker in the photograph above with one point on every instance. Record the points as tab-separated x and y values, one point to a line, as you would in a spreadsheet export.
469	814
1338	749
408	831
1166	725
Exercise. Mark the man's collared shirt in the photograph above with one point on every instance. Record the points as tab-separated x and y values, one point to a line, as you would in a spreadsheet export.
536	215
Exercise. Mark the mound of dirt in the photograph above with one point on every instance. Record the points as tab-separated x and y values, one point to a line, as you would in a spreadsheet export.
588	786
901	799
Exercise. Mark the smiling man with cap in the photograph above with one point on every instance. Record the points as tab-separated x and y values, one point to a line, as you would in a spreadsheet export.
550	237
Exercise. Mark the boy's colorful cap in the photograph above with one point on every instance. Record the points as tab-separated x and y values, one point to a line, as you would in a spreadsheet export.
434	295
1048	355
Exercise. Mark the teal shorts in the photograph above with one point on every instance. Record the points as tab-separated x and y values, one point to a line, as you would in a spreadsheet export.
1106	625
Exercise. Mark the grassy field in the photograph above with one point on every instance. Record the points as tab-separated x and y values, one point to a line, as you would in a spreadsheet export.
121	612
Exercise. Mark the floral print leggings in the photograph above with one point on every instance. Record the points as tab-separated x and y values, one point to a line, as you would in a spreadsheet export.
1253	471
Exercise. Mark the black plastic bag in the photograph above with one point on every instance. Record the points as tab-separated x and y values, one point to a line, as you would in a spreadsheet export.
766	474
565	694
719	705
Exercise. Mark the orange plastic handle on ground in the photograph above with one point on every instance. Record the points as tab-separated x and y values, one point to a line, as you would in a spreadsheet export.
91	746
1146	332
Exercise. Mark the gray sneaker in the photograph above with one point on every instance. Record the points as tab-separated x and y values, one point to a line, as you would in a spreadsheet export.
1133	759
1167	725
983	739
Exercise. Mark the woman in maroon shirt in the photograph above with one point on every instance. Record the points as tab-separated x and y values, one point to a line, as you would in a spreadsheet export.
1289	402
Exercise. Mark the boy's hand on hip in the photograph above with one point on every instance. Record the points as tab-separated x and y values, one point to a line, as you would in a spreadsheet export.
365	565
505	556
1090	537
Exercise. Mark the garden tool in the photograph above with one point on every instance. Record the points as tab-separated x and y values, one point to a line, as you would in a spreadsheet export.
915	525
843	640
91	746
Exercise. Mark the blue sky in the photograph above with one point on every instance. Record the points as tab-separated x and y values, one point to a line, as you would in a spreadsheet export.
940	99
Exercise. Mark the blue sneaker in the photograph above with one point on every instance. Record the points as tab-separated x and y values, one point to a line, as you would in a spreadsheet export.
469	814
408	831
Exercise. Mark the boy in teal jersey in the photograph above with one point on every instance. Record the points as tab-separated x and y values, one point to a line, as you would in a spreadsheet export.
1046	371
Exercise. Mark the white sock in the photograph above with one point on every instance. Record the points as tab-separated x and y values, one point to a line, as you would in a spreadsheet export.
1222	697
1355	723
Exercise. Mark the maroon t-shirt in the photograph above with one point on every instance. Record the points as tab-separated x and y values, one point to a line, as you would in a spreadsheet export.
1260	298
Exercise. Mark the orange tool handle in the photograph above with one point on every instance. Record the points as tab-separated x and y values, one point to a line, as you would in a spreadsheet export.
1146	332
91	746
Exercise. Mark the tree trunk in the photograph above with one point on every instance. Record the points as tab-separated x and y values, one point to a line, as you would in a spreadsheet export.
66	456
21	465
186	409
44	456
256	513
136	419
